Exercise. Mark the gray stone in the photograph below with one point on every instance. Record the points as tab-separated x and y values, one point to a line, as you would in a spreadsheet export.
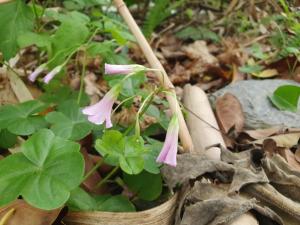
258	110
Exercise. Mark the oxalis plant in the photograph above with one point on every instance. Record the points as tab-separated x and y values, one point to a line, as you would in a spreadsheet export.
48	168
44	140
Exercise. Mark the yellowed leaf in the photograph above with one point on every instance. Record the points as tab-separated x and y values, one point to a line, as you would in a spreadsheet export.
266	73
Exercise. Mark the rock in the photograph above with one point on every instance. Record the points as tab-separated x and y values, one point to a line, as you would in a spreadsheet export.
258	110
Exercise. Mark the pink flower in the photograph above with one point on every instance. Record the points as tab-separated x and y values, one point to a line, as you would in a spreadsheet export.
101	111
32	77
169	151
52	73
122	69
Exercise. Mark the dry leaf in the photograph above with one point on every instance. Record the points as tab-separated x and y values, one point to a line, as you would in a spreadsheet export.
291	159
7	95
262	133
229	113
283	140
199	50
25	214
297	154
266	73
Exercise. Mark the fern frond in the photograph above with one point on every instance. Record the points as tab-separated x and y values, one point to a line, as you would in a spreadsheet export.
158	13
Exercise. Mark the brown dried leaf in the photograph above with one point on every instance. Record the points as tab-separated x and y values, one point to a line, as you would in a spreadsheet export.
21	213
7	95
291	159
297	154
229	113
263	133
283	140
180	75
199	50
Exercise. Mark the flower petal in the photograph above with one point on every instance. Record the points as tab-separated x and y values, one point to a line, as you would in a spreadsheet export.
51	74
32	77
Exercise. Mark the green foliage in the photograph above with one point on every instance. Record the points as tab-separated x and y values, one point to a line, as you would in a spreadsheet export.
61	94
158	13
46	165
7	139
198	33
257	52
130	86
21	119
286	97
153	149
69	122
146	185
251	68
41	40
81	4
66	40
16	19
82	201
126	152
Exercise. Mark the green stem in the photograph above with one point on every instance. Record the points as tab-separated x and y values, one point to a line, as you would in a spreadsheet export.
99	163
111	173
37	18
82	79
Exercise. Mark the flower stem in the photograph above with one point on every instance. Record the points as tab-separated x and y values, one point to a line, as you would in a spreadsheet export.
111	173
82	79
99	163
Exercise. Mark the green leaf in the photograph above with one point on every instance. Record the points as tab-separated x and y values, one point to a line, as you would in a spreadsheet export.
154	147
104	49
69	122
16	19
131	85
20	119
30	38
251	68
7	139
156	15
127	152
198	33
116	203
68	37
62	94
82	201
257	52
44	173
286	97
148	186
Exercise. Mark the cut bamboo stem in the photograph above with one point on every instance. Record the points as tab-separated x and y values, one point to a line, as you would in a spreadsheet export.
205	132
163	77
202	122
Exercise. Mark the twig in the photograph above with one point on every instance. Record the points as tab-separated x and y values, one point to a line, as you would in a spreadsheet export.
163	77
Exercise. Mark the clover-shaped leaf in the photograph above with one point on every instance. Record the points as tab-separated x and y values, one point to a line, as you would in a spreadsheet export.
286	97
127	152
7	139
21	119
146	185
82	201
44	173
69	122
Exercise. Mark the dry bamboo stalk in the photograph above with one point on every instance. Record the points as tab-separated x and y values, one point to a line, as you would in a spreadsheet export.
205	134
4	1
163	77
